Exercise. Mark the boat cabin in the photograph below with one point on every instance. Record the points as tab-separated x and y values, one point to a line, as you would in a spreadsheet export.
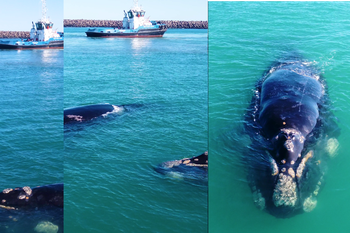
135	13
41	25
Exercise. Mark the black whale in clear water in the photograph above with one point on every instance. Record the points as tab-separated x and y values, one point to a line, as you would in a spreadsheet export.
90	112
292	131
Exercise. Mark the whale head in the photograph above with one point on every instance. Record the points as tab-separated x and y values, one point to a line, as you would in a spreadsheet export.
194	169
286	161
288	145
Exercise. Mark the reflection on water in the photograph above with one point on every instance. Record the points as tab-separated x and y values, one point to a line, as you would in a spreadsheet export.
51	56
139	43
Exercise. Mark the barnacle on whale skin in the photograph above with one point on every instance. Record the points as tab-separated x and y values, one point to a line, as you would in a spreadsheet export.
285	191
301	166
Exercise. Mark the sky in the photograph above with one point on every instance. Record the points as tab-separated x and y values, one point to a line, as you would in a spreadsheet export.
17	15
155	9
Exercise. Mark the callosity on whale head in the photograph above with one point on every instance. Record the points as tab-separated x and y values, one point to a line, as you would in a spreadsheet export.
285	121
289	145
26	197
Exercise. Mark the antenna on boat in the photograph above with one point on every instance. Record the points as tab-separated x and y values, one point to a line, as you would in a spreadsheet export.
43	10
136	5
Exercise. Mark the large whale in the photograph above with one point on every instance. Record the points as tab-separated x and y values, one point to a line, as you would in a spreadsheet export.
194	168
90	112
293	132
32	198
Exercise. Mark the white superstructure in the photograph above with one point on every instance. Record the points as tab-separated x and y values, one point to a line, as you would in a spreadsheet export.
135	18
42	30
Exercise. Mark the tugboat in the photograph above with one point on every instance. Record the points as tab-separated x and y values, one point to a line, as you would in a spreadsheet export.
134	25
41	36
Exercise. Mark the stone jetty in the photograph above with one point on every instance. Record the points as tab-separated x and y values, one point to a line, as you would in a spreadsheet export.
109	23
119	23
14	34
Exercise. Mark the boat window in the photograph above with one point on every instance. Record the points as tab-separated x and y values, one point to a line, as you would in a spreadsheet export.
142	13
130	14
39	26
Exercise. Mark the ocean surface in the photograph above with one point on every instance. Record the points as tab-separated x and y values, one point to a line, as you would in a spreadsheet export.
110	181
31	130
244	39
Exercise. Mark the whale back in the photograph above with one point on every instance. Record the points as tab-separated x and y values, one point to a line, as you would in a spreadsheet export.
289	100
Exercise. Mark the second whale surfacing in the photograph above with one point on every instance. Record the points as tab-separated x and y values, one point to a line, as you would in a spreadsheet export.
293	133
195	168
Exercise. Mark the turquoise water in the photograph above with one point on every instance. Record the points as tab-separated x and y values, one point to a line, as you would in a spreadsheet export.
31	131
244	38
110	184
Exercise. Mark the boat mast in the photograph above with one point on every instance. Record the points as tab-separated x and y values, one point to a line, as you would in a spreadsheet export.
43	11
136	3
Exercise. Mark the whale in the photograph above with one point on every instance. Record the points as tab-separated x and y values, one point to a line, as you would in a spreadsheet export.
89	112
24	198
194	168
293	134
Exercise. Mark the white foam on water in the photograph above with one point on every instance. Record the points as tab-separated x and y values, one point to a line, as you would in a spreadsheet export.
116	110
175	175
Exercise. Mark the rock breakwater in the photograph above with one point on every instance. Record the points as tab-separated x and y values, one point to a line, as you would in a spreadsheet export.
109	23
14	34
119	23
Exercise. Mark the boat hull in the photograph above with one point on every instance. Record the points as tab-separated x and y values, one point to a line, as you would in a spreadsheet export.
140	33
51	45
